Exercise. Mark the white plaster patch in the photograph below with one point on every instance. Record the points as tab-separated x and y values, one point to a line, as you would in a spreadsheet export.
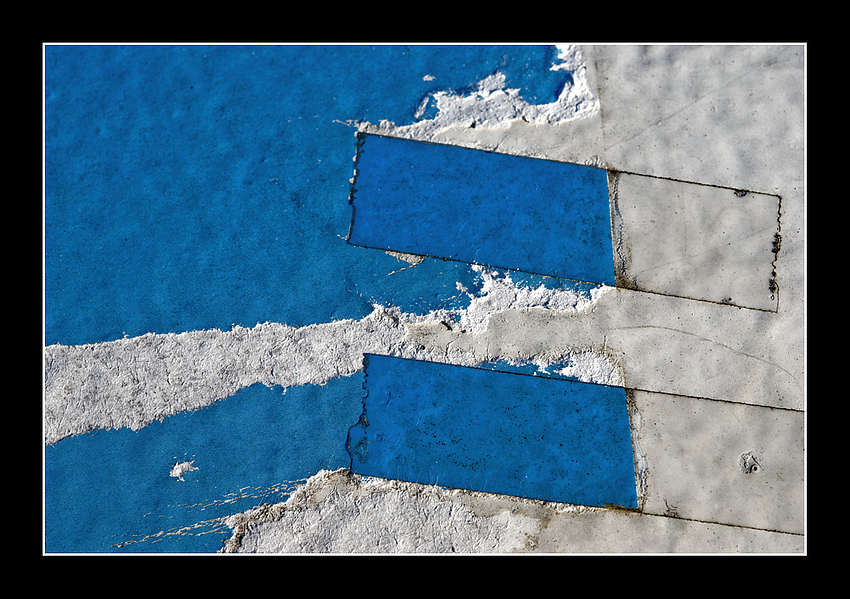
338	512
500	293
181	468
492	105
592	367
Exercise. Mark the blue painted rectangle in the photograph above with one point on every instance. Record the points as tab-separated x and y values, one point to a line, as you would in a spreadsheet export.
539	216
496	432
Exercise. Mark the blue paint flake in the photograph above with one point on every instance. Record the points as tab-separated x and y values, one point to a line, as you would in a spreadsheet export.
538	216
497	432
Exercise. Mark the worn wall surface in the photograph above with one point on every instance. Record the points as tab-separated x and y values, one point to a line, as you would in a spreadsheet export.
705	328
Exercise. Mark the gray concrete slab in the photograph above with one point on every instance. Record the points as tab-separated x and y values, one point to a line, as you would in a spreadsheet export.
722	462
727	115
696	241
660	343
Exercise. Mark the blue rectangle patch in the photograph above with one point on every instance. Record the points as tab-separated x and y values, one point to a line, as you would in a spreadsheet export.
497	432
538	216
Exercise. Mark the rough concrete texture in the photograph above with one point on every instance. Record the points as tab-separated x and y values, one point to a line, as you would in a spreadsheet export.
380	516
668	230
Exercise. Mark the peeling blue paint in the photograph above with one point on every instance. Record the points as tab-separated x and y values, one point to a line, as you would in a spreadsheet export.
196	187
110	491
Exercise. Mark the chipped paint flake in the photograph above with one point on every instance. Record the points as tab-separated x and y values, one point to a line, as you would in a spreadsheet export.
181	468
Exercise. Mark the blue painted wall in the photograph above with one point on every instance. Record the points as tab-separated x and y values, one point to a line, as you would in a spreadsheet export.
196	187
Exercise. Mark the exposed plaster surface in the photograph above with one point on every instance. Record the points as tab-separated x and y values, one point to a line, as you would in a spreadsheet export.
133	382
337	512
491	105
